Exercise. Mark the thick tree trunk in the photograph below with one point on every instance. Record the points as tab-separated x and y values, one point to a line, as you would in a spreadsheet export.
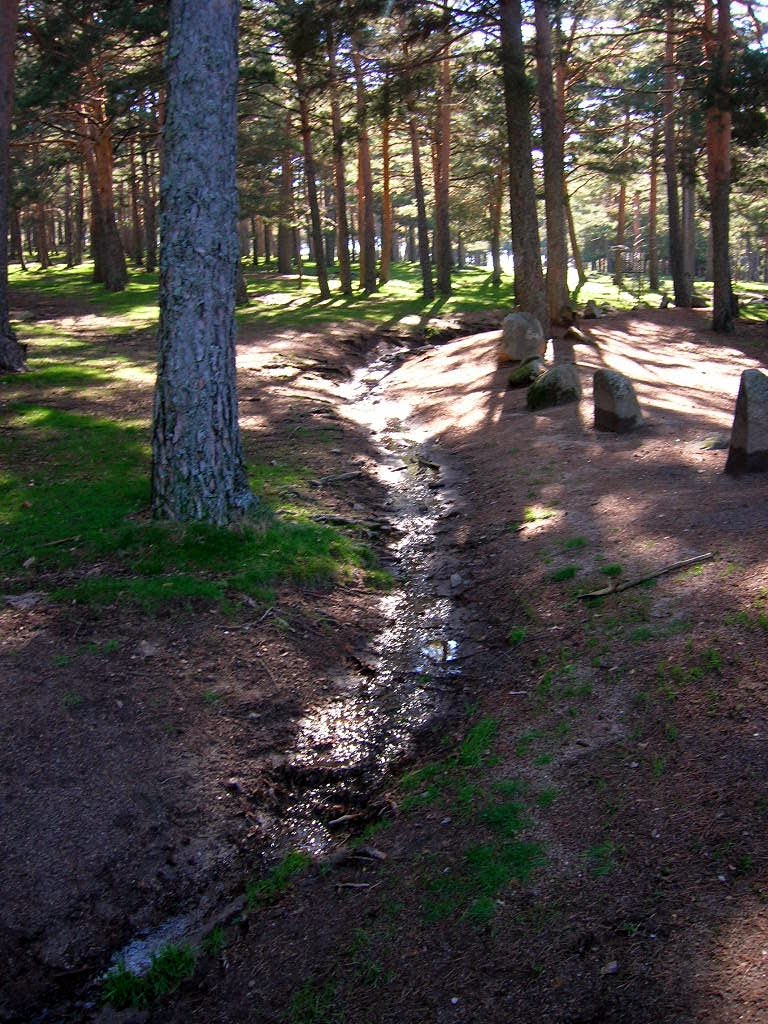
198	472
310	177
682	292
386	206
109	258
12	352
653	213
718	51
530	291
339	172
443	256
366	225
427	286
688	215
554	173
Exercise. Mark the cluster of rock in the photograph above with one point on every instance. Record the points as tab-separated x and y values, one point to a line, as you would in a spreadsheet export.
523	343
616	406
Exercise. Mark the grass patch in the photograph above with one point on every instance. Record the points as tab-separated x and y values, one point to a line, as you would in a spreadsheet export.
567	572
73	489
267	890
313	1004
170	967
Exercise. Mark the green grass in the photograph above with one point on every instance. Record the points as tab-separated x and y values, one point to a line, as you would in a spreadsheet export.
73	490
266	890
170	967
313	1004
283	302
136	307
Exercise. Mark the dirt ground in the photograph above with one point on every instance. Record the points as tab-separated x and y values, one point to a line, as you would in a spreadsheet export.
635	726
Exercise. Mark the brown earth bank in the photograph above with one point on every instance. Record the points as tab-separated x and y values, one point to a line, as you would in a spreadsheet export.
596	851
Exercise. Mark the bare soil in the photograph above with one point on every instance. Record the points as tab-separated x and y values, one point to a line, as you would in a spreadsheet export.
640	722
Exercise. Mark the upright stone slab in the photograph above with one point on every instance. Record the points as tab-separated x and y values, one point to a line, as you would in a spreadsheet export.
748	452
523	338
557	386
616	405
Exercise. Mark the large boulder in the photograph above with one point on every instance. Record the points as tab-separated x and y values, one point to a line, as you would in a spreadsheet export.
616	405
523	338
748	452
557	386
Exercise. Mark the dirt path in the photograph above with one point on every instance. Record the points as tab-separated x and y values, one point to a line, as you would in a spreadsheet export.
625	754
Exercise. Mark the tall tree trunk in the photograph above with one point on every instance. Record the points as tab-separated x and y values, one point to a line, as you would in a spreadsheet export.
366	225
41	236
621	212
255	240
17	245
443	255
267	244
109	258
653	213
68	225
137	249
421	210
284	230
718	51
386	206
574	243
529	278
148	210
12	353
310	180
688	214
339	172
494	217
554	172
198	472
679	284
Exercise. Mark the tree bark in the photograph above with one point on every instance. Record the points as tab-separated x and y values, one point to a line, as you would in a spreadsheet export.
682	292
653	212
284	230
198	472
530	291
339	172
718	51
443	256
12	352
427	286
494	216
310	178
366	225
554	173
386	206
109	266
137	248
148	210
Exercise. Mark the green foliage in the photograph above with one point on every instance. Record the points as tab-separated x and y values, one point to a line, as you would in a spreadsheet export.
170	967
266	890
313	1004
567	572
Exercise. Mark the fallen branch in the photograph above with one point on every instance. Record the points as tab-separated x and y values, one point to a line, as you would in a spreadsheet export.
614	588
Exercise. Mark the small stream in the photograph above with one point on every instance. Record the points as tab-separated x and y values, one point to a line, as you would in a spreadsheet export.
402	680
401	683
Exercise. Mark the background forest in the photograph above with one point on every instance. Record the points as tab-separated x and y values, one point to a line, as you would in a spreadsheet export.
376	134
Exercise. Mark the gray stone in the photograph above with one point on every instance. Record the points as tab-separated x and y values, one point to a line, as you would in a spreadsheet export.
748	452
522	338
616	406
526	373
557	386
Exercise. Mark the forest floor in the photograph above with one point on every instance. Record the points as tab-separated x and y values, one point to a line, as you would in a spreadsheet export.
574	830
